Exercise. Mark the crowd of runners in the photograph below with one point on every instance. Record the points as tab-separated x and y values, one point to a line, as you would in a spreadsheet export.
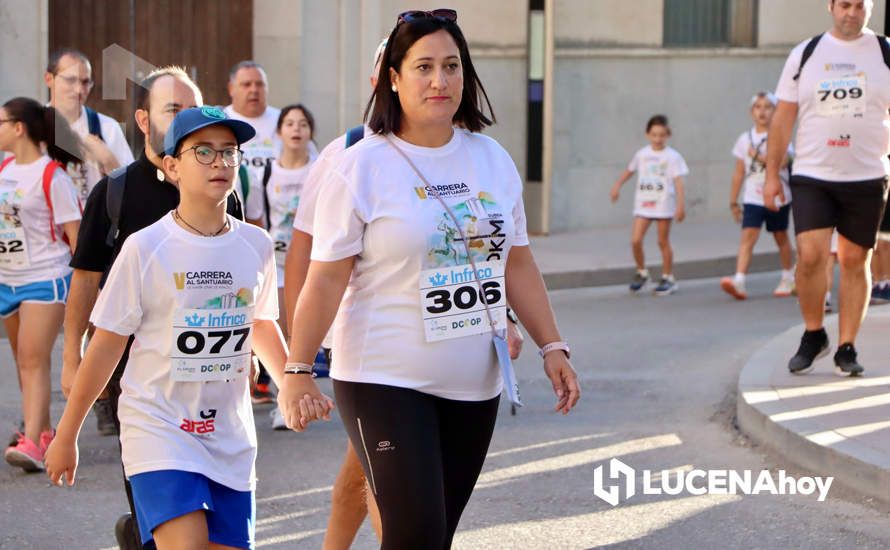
194	280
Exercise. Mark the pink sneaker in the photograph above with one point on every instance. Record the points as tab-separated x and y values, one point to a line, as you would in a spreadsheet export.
27	455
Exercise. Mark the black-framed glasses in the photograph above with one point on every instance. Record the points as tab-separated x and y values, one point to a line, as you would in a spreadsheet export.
231	156
442	13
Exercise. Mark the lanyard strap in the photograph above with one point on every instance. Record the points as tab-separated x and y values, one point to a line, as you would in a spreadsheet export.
432	189
756	149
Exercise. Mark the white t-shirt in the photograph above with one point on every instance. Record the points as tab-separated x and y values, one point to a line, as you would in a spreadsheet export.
87	175
167	288
752	144
284	190
265	145
843	94
30	254
306	211
656	170
372	205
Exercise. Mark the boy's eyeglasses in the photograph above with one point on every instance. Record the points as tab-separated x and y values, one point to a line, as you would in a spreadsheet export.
231	156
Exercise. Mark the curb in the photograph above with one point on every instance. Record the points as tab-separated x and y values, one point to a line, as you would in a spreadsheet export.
693	269
851	463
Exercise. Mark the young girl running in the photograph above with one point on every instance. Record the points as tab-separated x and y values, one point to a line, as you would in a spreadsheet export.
40	217
750	169
197	289
660	197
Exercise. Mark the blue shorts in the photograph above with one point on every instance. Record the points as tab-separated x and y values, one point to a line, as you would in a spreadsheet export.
168	494
44	292
754	216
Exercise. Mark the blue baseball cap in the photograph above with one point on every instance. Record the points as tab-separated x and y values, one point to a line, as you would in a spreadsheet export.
189	121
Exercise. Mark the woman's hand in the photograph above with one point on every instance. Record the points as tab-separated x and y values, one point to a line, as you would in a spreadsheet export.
301	402
61	458
564	379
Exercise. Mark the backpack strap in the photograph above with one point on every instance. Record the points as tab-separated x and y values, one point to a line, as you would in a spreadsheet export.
95	128
885	49
267	174
244	179
114	201
354	135
47	194
234	207
807	53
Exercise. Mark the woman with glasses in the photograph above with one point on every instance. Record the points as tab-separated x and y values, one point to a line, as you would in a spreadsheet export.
198	291
38	228
422	225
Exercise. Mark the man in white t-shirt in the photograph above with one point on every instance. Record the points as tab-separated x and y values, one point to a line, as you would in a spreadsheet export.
69	79
247	89
838	86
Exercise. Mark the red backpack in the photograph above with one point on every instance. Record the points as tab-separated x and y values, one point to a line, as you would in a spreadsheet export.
47	188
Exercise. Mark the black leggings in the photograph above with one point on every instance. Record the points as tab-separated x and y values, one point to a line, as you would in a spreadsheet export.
421	455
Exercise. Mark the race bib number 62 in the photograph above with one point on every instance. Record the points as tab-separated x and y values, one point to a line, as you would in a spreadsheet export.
211	344
452	302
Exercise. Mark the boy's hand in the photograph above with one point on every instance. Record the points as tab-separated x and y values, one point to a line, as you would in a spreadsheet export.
681	214
613	194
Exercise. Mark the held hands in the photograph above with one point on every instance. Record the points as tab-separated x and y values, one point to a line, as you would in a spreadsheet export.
61	458
772	190
564	379
301	402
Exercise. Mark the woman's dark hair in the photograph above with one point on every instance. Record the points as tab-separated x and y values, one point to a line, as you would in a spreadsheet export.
658	120
384	113
302	108
46	125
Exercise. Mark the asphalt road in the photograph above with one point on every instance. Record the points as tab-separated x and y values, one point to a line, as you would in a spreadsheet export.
658	377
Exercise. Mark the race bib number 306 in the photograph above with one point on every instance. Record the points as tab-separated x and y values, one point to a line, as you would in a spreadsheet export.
452	303
211	344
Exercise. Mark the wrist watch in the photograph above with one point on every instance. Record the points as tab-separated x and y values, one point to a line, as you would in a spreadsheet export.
552	346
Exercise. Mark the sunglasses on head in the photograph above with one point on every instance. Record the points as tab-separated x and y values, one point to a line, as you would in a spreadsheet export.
442	14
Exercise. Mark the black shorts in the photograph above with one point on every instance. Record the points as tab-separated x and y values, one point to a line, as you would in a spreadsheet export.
855	208
754	216
885	223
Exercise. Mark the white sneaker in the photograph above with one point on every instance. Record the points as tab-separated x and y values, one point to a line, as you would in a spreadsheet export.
785	288
734	288
278	422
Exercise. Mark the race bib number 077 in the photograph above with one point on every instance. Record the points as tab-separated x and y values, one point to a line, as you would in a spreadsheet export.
211	344
452	302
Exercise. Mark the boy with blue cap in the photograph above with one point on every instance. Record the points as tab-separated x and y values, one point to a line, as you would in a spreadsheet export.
198	291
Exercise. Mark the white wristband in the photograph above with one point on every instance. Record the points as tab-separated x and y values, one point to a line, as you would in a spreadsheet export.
297	368
553	346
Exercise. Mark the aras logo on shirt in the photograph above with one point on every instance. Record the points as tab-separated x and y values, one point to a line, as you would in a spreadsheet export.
444	191
203	426
842	140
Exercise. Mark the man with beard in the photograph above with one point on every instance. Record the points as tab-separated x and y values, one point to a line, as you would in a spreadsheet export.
147	196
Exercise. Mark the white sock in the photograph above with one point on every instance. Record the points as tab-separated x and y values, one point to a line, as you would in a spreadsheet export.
787	275
885	283
643	273
669	277
740	278
828	296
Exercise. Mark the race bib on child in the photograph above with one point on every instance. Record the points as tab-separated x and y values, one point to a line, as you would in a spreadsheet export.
211	344
14	248
280	252
843	96
652	192
452	303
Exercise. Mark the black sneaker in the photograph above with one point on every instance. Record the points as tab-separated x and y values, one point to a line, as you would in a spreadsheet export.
126	531
639	281
845	361
666	287
105	417
813	345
